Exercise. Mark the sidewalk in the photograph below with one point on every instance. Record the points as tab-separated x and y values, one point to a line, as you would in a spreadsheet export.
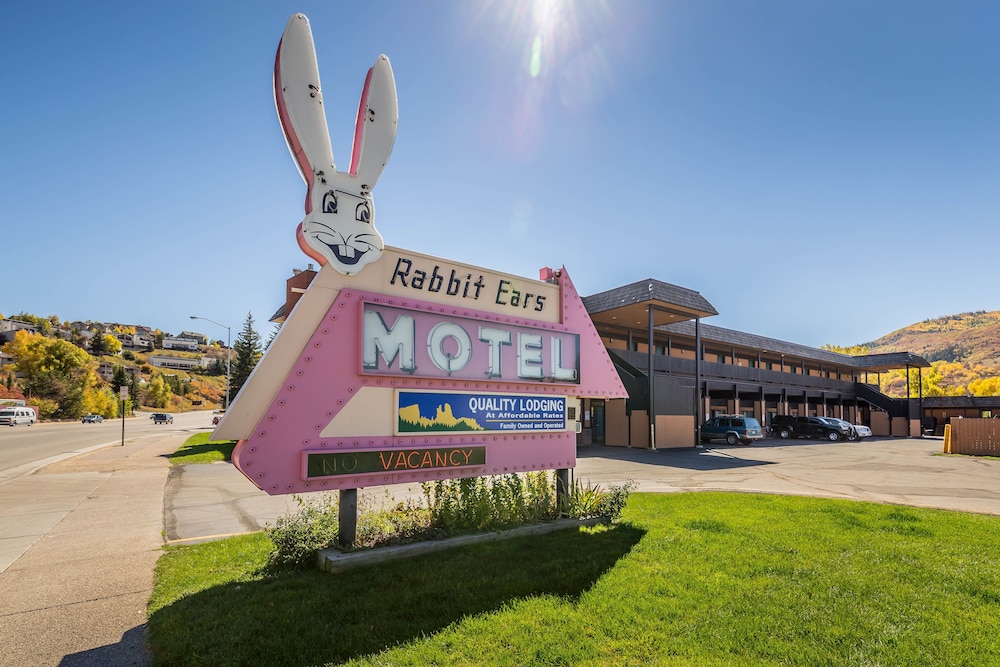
77	596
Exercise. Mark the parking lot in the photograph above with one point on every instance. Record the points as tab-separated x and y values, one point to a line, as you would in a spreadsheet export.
910	471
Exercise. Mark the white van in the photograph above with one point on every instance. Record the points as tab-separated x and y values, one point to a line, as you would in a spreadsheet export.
12	416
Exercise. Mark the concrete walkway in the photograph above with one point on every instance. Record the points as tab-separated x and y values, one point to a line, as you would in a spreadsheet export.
81	547
92	529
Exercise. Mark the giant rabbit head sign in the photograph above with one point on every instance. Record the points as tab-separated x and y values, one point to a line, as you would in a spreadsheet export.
416	368
339	227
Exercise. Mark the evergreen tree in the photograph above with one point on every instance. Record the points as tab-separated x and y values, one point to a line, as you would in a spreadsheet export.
134	390
274	334
118	379
98	345
248	352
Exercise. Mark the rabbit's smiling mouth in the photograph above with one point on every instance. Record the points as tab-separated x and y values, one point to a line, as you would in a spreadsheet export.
347	249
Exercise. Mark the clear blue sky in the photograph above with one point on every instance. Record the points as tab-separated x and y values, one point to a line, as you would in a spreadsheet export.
822	172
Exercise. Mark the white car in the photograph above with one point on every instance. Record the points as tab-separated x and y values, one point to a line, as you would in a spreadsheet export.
862	431
859	431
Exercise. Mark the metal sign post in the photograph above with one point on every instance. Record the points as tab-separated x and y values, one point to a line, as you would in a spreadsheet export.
123	392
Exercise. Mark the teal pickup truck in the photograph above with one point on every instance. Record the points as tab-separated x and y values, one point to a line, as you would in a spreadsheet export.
732	429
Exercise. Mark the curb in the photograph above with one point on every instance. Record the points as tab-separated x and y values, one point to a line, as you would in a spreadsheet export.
334	561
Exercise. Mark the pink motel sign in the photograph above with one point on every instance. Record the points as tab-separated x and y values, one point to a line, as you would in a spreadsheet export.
321	411
397	367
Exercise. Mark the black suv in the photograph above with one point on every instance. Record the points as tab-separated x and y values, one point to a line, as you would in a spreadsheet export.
786	426
733	428
162	418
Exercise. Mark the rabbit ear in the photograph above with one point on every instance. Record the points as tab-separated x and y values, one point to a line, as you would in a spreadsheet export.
299	100
375	129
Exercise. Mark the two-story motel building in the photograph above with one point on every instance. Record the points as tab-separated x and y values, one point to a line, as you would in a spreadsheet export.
689	371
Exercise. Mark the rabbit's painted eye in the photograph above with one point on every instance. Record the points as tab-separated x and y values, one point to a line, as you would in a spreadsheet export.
363	213
330	202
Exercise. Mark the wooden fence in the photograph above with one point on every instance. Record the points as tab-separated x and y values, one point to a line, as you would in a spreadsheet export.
980	437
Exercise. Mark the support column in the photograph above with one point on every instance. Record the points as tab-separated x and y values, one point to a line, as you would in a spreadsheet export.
347	515
652	403
920	407
698	414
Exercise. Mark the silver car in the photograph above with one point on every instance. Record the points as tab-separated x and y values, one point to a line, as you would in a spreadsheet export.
857	431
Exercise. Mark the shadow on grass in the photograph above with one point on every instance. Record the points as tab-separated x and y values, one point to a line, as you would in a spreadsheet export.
193	451
311	617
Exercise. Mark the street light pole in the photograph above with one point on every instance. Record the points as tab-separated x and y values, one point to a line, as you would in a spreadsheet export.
229	350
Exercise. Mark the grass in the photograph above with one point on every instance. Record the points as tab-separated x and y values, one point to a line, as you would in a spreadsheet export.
684	579
199	449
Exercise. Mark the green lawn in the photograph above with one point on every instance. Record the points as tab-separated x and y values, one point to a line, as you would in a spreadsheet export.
684	579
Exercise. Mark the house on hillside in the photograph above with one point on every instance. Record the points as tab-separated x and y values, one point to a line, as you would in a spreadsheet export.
10	327
194	335
178	343
106	370
178	363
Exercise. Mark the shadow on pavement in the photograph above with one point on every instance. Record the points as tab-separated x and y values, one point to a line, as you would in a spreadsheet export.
129	651
705	459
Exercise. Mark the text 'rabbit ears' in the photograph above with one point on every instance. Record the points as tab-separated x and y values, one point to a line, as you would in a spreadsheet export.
299	100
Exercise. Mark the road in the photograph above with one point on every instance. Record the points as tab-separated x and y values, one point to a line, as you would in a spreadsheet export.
26	448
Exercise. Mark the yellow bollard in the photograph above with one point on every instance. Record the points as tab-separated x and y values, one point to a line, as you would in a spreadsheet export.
947	438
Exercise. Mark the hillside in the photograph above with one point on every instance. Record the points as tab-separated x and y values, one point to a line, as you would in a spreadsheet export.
968	338
964	351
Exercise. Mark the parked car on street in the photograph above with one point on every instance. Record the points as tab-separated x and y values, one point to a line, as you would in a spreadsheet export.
15	414
162	418
92	419
787	426
732	429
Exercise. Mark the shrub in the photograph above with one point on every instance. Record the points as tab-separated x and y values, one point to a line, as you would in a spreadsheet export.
296	537
452	507
400	524
613	502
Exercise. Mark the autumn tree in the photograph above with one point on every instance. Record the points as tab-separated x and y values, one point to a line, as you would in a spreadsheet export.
987	386
57	375
102	344
248	352
158	392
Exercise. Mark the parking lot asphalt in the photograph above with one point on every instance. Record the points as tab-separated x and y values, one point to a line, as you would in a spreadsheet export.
77	555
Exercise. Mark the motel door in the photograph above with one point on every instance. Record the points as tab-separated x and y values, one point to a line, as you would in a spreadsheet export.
597	422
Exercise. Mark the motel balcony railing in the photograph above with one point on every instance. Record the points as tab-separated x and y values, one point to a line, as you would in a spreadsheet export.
713	371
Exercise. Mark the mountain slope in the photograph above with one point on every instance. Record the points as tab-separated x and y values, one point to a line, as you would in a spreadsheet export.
967	338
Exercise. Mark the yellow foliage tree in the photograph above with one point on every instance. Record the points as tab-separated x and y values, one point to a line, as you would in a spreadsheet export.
55	370
158	392
987	386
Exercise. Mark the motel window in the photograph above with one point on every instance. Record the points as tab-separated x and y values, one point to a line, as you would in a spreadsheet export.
720	358
659	349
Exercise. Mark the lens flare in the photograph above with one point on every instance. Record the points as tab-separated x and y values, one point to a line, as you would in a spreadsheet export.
551	60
